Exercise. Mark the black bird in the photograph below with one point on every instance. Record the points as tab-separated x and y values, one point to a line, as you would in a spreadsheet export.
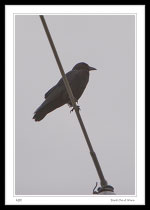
57	96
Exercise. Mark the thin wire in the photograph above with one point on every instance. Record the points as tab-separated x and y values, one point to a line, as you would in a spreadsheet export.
68	88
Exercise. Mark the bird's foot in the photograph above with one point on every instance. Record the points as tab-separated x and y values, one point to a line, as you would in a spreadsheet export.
73	109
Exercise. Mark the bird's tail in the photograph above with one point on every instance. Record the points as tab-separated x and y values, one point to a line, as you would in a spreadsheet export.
41	112
39	115
44	109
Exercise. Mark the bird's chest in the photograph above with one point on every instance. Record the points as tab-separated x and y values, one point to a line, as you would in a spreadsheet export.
79	84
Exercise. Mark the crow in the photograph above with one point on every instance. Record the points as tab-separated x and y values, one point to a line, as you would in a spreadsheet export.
57	96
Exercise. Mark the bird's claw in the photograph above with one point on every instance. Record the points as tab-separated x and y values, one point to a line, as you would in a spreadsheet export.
73	109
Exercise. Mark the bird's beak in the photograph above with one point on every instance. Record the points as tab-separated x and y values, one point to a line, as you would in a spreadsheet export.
92	68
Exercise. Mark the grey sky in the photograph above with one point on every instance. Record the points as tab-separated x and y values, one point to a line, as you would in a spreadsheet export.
51	156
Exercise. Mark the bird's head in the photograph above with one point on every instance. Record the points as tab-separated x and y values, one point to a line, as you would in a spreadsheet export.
84	66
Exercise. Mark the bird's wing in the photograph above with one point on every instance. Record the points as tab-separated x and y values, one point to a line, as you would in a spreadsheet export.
48	92
70	76
51	96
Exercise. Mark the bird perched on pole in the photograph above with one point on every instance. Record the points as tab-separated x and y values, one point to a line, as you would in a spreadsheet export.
57	96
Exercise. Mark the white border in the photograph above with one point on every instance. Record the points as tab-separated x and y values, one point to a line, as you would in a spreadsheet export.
140	106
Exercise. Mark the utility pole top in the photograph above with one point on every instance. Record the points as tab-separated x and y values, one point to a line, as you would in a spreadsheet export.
106	190
104	184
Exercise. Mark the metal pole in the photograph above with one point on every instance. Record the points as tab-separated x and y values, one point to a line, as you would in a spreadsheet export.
93	155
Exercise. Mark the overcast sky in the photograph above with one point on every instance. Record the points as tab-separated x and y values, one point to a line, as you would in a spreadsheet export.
52	157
